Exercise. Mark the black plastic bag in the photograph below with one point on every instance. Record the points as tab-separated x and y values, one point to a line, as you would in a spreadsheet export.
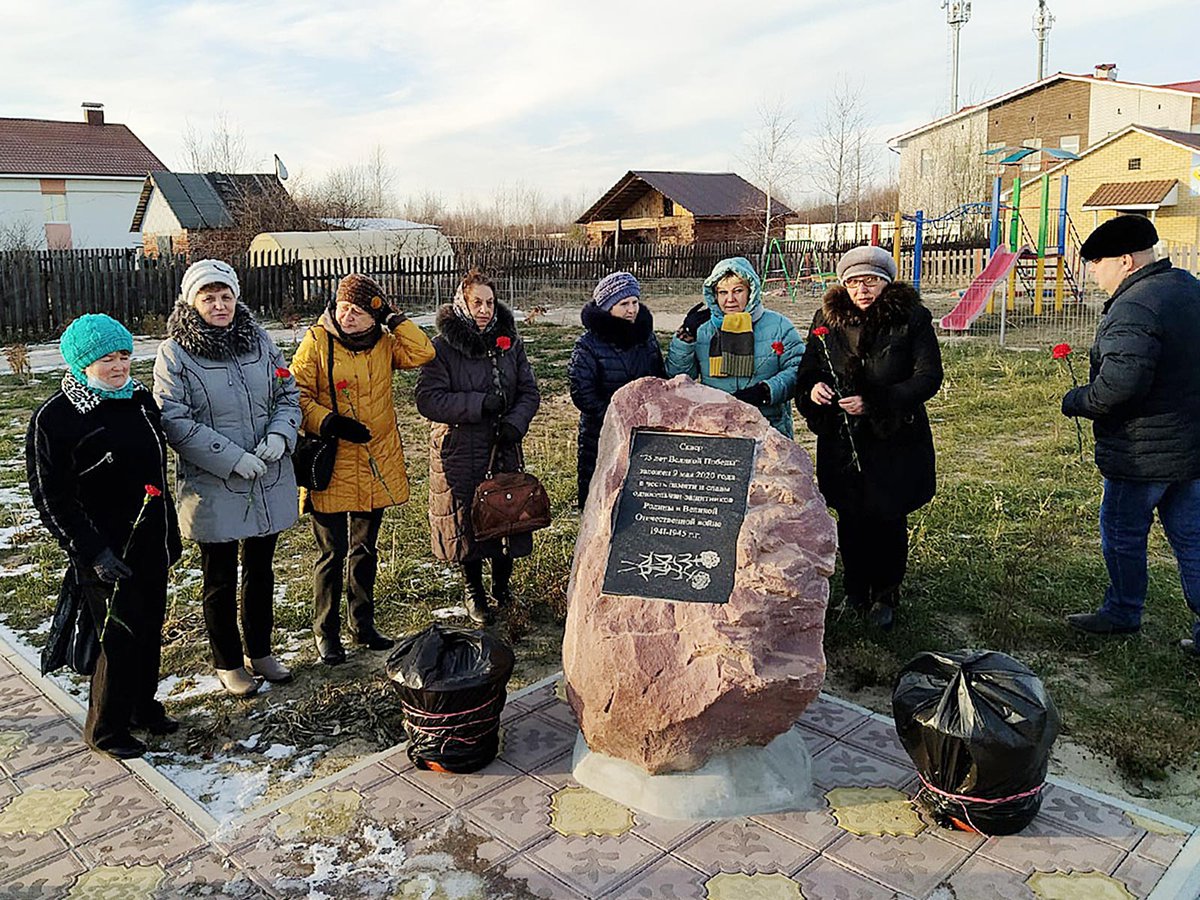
452	686
979	727
73	640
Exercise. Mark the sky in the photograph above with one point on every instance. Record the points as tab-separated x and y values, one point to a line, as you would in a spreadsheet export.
560	96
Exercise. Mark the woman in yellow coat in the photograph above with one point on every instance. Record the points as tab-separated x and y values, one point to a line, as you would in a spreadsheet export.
362	338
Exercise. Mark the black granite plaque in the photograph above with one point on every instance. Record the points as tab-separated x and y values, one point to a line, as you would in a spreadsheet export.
678	516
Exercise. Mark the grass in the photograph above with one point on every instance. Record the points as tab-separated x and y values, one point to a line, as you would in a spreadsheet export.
1007	547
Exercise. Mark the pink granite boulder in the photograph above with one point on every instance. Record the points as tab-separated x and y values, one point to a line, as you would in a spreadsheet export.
663	684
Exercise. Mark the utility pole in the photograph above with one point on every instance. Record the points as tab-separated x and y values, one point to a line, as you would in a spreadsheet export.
957	15
1043	21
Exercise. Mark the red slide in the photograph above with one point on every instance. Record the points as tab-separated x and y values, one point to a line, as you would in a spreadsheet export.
976	296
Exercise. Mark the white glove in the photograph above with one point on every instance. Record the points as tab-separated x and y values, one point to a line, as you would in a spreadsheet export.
250	467
270	448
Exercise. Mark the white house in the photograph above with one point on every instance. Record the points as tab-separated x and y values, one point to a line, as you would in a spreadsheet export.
71	185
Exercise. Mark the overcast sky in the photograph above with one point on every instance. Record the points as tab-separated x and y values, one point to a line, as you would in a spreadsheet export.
560	95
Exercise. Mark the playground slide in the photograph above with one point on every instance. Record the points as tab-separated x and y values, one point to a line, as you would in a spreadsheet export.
976	296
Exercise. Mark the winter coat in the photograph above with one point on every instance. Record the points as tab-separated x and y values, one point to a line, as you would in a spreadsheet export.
89	461
450	394
220	396
888	355
355	486
1143	391
609	355
777	348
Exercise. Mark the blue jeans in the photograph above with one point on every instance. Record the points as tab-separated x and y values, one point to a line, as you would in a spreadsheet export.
1126	514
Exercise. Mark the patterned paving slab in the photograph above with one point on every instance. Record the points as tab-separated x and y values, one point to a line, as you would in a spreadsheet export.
76	825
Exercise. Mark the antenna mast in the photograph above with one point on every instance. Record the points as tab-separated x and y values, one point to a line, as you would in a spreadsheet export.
1043	21
957	15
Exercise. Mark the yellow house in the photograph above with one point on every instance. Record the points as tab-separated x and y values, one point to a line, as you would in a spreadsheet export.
1151	171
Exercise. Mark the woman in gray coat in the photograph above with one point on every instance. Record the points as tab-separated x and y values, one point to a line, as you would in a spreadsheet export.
231	410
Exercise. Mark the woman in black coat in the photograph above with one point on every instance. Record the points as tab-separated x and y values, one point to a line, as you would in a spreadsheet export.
96	460
480	394
618	347
875	457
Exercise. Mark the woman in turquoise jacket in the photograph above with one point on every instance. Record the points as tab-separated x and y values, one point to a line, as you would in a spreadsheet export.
734	344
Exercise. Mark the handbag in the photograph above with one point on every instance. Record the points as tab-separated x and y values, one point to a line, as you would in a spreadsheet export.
508	503
315	455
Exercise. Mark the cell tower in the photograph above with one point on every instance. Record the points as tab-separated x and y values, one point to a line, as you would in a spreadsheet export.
957	15
1043	21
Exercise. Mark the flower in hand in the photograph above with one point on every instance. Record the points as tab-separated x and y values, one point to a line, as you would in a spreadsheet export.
1061	351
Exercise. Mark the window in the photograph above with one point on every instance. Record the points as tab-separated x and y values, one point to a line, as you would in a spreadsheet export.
668	206
1033	162
1070	143
1135	163
926	163
56	207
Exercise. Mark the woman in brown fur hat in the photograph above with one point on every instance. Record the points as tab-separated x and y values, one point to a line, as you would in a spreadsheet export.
873	361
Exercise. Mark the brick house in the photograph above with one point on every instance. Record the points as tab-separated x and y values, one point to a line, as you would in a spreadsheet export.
71	185
941	165
210	214
680	208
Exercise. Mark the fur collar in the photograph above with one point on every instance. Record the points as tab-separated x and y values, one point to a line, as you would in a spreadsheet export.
618	332
205	341
467	339
83	398
894	307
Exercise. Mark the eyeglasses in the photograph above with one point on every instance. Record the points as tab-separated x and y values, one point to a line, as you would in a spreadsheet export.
863	281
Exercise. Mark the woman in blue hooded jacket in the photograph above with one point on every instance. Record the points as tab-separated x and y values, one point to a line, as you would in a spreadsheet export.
735	344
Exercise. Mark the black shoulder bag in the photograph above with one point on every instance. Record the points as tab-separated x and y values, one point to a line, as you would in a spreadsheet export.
315	455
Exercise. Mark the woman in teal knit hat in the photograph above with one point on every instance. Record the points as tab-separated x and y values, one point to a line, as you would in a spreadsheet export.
96	459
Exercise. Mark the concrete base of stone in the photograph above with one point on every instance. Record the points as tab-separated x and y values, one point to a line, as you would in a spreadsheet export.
743	782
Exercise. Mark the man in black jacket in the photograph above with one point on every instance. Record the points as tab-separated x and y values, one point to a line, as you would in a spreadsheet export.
1143	398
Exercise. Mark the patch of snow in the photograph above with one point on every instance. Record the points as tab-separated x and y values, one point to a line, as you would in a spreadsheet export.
450	612
303	766
17	495
279	751
16	571
251	742
44	628
199	685
224	785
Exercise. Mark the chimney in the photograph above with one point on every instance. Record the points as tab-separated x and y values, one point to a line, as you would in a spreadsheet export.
93	113
1106	71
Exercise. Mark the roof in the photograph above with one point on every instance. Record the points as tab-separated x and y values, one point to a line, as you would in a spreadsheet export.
406	243
206	200
1186	138
1183	139
703	194
1113	194
43	147
369	223
1179	87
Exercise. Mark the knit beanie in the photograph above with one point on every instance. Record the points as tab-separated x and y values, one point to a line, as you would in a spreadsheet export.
205	272
364	293
614	288
866	261
90	337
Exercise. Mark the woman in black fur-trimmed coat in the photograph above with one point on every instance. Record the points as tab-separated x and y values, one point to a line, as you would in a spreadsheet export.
618	347
885	364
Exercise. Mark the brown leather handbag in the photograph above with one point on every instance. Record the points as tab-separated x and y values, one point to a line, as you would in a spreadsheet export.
508	503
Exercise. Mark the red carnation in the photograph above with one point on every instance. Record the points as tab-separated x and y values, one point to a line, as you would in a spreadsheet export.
777	346
281	372
342	385
504	342
820	331
1061	351
152	491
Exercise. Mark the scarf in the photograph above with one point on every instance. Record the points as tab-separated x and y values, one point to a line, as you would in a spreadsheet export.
197	337
85	398
731	348
464	313
354	342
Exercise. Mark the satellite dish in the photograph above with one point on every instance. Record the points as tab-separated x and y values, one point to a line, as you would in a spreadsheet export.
280	169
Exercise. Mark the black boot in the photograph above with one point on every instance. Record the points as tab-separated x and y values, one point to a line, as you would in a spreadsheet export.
502	569
883	611
476	598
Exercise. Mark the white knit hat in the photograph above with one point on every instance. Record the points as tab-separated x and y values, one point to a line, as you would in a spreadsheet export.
208	271
866	261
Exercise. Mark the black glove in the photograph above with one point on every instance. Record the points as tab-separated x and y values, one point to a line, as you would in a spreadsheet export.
394	319
507	434
756	395
493	403
696	316
345	428
109	568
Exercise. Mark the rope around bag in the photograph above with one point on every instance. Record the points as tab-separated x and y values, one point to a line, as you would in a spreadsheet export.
963	799
434	731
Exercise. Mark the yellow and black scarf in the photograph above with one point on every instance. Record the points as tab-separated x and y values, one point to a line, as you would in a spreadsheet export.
731	350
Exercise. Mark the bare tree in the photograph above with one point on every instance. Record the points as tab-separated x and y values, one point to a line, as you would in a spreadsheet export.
219	148
840	147
21	235
772	159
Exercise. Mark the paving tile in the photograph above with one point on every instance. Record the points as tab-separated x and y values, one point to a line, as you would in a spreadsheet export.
666	833
815	741
540	883
742	845
113	806
31	715
561	713
910	865
1139	874
825	879
89	770
843	766
209	875
8	670
535	699
983	878
22	849
32	749
1046	846
831	718
397	761
161	838
532	740
1161	848
518	813
364	778
667	878
16	690
814	828
879	739
556	771
1091	817
458	790
51	880
395	801
592	865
